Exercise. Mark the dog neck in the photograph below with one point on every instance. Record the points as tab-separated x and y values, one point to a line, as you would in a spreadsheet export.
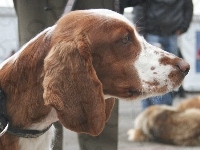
21	79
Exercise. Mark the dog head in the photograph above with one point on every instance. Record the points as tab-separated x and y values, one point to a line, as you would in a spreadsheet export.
96	54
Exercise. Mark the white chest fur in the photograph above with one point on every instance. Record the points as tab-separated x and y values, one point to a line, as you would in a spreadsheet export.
43	142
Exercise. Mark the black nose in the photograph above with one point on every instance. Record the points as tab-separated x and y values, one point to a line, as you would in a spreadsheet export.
183	66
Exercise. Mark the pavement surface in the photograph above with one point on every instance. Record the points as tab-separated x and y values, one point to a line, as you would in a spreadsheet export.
128	110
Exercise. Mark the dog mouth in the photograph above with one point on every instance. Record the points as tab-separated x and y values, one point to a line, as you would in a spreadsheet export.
132	93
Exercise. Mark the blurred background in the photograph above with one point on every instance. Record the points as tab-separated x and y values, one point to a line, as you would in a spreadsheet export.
189	44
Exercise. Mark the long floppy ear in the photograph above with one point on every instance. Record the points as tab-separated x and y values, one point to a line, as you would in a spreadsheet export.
109	106
71	86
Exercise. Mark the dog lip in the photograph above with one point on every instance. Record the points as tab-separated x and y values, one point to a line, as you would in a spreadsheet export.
183	66
133	92
185	72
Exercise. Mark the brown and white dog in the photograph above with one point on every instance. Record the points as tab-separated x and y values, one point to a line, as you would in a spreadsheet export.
172	125
67	71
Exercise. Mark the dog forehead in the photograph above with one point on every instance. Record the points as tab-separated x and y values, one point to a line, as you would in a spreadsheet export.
111	14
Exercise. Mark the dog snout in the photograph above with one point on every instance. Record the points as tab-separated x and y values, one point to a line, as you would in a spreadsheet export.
183	66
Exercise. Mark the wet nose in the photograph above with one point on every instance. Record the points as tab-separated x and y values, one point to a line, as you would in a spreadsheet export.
183	66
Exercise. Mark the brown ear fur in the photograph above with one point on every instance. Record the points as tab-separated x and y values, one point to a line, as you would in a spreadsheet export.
109	106
71	86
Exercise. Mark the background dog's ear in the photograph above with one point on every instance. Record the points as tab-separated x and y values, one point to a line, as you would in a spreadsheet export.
71	86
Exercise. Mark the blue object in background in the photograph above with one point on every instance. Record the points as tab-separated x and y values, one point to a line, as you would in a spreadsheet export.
197	51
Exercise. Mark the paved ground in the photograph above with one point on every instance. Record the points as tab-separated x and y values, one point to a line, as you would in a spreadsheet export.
127	113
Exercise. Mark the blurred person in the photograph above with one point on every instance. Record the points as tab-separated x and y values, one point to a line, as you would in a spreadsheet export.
161	22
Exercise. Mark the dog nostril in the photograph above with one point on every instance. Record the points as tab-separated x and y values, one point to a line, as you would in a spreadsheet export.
183	66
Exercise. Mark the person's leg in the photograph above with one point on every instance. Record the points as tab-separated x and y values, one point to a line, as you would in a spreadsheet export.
33	16
170	44
153	39
164	99
147	102
108	138
32	19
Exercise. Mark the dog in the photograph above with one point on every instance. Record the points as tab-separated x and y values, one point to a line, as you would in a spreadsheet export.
178	125
67	71
193	102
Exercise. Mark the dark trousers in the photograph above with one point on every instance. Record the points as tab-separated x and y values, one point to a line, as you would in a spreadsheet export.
107	140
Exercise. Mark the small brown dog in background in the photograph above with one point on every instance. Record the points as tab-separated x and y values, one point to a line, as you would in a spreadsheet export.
193	102
171	125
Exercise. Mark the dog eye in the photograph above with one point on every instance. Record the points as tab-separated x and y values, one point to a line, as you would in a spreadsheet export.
126	39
